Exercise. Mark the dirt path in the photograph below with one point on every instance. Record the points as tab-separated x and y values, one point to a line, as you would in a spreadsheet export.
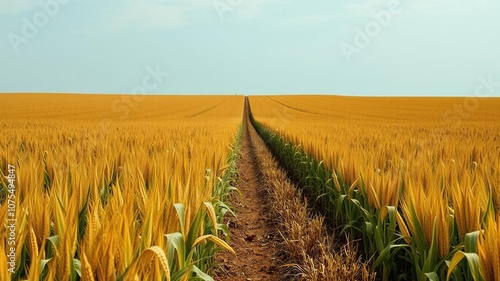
275	236
252	232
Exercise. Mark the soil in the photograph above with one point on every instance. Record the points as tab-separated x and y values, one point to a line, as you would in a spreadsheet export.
253	233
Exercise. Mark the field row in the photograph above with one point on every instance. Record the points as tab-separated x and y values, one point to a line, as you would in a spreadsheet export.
307	249
400	174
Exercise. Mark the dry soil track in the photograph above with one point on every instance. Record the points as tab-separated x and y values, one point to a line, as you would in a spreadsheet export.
271	205
253	231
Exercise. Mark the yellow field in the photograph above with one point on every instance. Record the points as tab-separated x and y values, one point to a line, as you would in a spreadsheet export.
105	187
439	157
100	175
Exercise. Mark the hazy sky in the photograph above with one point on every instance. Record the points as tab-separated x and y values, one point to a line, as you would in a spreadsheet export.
371	47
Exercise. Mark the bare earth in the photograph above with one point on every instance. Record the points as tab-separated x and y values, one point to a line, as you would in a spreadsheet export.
252	232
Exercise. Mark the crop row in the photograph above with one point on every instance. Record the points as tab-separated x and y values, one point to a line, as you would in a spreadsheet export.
407	232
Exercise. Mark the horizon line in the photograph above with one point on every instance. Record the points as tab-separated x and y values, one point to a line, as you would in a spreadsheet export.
255	94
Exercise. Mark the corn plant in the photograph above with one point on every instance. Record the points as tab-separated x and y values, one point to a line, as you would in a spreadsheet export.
104	196
418	204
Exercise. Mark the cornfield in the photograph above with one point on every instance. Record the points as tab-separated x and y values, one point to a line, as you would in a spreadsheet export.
416	179
107	187
116	188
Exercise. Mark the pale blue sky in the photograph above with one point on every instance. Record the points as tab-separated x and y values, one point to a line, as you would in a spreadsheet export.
418	47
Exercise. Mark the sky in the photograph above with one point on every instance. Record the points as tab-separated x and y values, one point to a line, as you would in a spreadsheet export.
371	47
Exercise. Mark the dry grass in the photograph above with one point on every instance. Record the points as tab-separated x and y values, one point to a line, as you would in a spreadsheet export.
312	254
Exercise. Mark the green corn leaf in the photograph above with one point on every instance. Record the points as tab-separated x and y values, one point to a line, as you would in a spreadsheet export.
432	276
179	208
176	245
471	241
432	255
82	217
386	254
200	274
472	262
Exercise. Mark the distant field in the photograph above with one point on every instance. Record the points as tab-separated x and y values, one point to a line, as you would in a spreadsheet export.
365	135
